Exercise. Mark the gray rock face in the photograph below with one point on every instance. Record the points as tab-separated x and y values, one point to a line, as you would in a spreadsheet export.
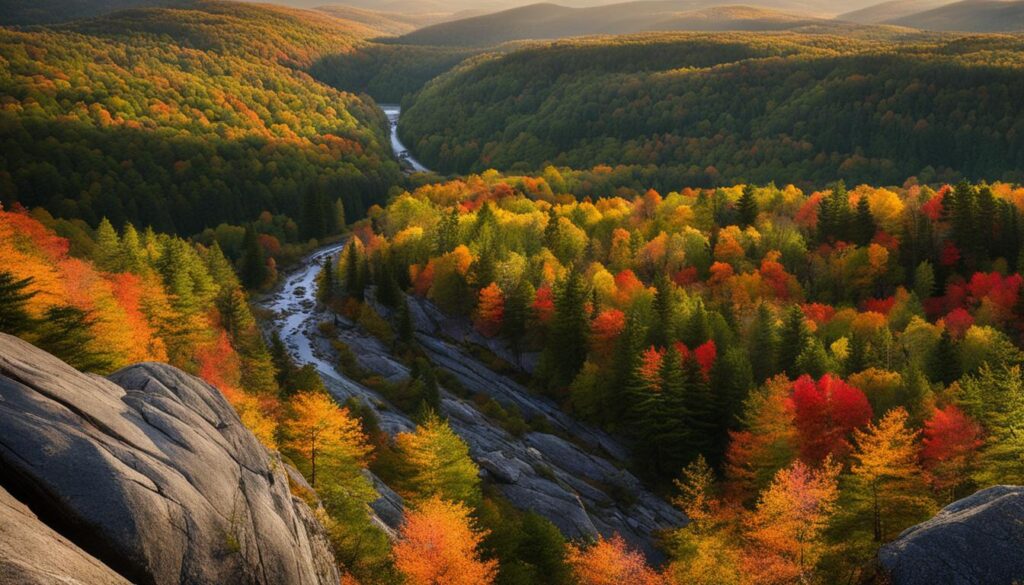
33	554
582	492
978	540
152	472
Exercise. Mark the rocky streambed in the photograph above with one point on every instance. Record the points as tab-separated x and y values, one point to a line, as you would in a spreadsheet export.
573	475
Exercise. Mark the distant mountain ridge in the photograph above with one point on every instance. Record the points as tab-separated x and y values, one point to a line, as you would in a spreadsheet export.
984	16
890	10
549	21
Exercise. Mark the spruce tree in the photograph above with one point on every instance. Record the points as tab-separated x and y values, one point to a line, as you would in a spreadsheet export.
701	412
448	233
764	342
14	296
108	247
567	338
66	332
945	361
253	266
661	333
747	207
865	227
673	434
354	283
793	339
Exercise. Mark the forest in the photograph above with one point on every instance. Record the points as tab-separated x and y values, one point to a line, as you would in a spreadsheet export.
805	374
185	118
714	110
704	248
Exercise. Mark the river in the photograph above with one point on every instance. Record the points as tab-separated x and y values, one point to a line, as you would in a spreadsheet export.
539	471
393	111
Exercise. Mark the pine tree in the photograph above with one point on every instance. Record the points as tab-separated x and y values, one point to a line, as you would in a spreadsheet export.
14	317
764	343
66	332
517	310
354	281
865	227
253	266
945	360
701	420
793	339
448	233
924	280
566	348
131	256
673	435
661	333
747	207
325	281
108	247
732	378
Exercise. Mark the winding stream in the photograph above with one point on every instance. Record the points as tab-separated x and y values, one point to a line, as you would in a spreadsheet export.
393	111
547	472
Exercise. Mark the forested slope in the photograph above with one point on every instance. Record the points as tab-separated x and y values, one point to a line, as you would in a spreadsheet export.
708	109
184	118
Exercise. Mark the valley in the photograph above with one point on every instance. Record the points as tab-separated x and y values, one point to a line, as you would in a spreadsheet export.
421	292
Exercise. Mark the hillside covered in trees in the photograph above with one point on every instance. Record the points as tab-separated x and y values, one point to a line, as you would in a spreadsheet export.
183	118
706	110
856	351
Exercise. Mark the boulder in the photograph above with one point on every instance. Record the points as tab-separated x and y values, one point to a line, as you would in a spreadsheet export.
976	540
152	473
33	554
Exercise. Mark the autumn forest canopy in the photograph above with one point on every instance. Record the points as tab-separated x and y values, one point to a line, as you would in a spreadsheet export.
737	302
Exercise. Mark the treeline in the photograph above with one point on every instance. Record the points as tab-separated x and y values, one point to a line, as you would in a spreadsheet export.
704	110
181	119
388	72
758	345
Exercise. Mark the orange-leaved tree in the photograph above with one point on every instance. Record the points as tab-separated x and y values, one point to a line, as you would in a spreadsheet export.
438	545
785	533
490	310
611	562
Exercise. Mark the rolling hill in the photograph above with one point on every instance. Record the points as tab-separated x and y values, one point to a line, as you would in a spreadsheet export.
893	9
701	109
183	118
969	16
550	21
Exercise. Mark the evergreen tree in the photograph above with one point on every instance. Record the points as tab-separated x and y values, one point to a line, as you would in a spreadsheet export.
924	280
698	326
131	255
14	317
792	340
566	348
747	207
865	227
108	247
702	410
325	281
945	360
403	317
732	378
354	281
66	332
517	310
764	343
253	266
448	232
661	333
